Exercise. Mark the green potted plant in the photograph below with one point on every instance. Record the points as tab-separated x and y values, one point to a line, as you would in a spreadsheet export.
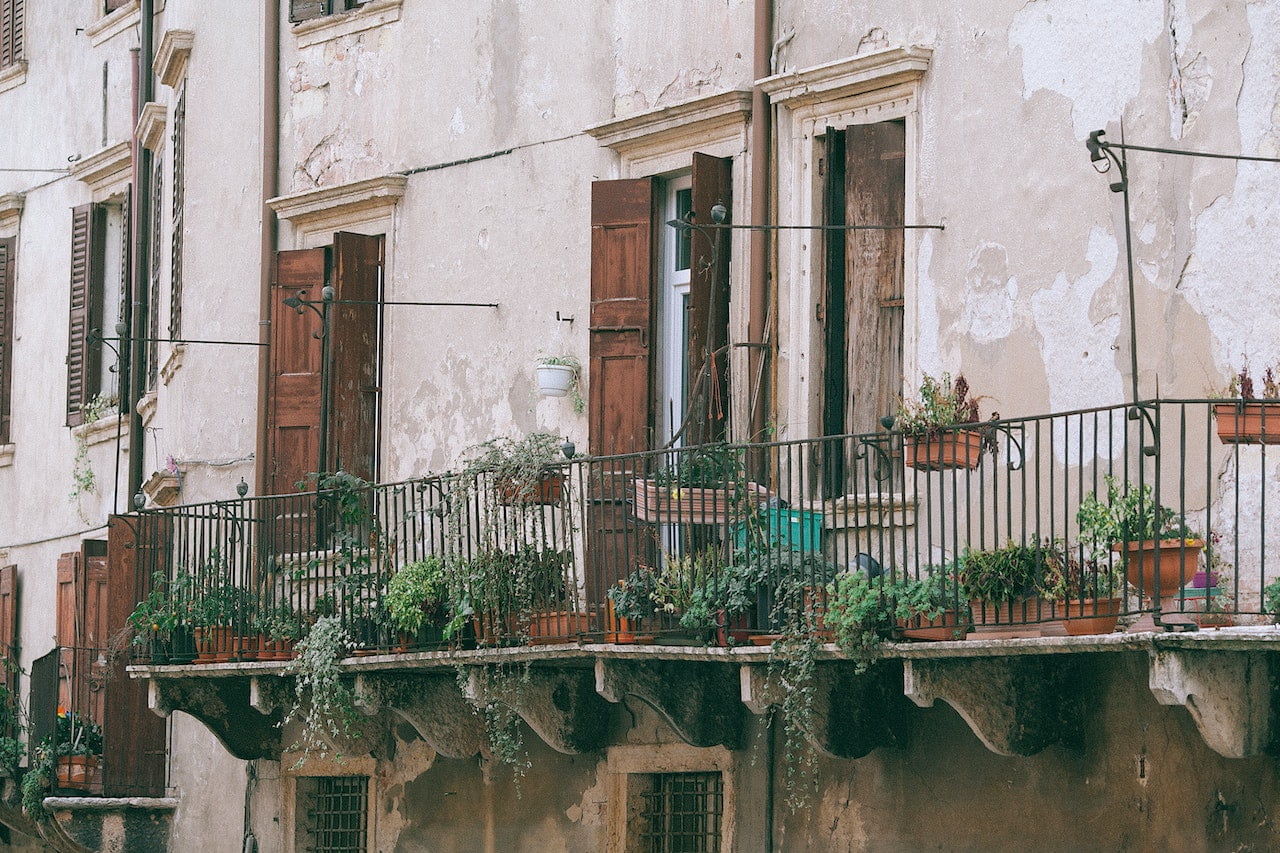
934	426
630	603
1005	584
560	375
1160	551
932	603
1089	591
76	746
1244	416
861	612
706	485
520	471
416	601
218	613
280	628
161	621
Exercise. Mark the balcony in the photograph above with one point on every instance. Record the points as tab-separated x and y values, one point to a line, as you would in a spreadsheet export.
1062	531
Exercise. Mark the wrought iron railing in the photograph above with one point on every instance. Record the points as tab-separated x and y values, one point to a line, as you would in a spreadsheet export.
687	529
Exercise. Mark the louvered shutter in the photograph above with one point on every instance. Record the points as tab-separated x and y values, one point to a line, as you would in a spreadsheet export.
708	315
6	335
293	394
179	194
354	413
88	224
9	633
305	10
69	600
12	14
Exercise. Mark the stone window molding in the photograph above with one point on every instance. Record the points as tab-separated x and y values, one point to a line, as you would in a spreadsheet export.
10	213
359	205
661	140
104	429
150	129
106	171
13	75
110	25
7	454
878	86
328	27
170	64
626	760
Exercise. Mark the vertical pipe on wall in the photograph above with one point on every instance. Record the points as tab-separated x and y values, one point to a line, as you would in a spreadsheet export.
141	242
759	362
270	163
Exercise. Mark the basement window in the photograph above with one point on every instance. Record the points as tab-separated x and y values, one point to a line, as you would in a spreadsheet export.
334	812
675	812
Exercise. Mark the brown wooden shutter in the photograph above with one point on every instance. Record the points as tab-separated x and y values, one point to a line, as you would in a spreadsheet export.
134	738
621	323
9	634
354	413
709	300
293	393
96	629
305	10
12	13
70	612
875	169
7	246
88	223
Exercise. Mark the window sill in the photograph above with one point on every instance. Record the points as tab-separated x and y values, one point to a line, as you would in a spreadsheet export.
6	454
366	17
113	24
13	76
885	510
102	430
172	363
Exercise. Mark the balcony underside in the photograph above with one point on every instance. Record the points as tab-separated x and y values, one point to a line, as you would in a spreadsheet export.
1018	696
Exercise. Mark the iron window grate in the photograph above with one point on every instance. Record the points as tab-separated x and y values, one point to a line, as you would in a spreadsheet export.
680	813
337	809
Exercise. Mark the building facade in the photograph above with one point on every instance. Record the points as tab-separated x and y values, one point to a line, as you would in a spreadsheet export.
254	247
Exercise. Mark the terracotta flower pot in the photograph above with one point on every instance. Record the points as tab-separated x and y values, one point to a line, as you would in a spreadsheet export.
622	630
213	643
945	451
560	626
1091	616
947	626
1248	423
546	491
1178	562
79	772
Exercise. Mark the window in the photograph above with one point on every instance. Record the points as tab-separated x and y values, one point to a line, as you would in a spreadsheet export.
11	31
674	812
332	814
305	10
7	246
153	330
98	267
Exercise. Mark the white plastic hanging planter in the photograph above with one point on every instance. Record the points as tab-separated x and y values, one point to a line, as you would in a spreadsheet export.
555	380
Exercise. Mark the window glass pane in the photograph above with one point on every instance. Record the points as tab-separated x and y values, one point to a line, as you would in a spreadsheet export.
684	201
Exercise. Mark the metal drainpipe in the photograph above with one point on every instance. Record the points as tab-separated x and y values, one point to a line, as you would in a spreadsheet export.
266	261
759	362
138	324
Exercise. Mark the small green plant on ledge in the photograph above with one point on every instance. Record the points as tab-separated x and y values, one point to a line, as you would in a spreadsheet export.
83	479
940	403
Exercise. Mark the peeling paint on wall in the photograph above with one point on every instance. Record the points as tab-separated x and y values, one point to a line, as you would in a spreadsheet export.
1062	51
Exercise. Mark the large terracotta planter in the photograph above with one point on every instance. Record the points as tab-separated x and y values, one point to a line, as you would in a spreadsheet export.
733	630
1248	423
945	451
1179	559
547	490
214	643
1092	615
79	772
560	626
947	626
692	504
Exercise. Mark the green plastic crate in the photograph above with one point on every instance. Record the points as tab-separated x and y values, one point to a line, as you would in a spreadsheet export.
797	529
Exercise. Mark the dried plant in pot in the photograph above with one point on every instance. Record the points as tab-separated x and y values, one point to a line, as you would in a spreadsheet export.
936	429
1244	416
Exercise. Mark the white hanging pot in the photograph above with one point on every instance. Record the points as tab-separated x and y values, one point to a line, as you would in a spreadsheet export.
555	380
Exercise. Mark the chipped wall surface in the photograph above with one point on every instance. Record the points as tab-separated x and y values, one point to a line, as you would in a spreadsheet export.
484	105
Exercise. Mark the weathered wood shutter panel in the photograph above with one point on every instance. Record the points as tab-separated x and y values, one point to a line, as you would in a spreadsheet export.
12	24
354	413
709	300
134	742
305	10
88	223
875	168
621	323
621	385
834	366
293	393
6	335
9	634
96	628
69	632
